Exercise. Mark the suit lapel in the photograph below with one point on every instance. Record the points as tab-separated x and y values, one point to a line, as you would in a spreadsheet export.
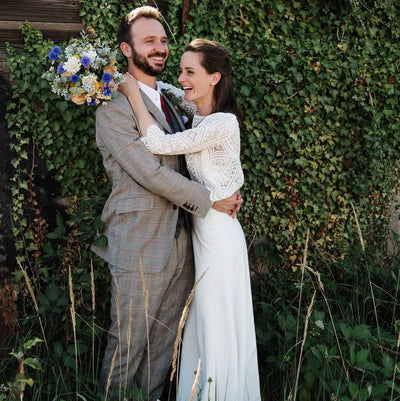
156	113
174	113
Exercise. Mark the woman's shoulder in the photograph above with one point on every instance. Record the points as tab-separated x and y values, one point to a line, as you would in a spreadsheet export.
223	117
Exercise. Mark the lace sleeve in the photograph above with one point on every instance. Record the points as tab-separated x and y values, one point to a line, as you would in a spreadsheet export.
177	96
210	132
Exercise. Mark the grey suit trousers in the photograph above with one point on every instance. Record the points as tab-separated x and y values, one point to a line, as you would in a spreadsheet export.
142	333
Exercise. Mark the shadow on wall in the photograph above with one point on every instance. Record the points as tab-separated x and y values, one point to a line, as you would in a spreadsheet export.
7	251
8	290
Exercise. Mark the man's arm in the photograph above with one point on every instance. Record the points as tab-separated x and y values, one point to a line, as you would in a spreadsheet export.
116	131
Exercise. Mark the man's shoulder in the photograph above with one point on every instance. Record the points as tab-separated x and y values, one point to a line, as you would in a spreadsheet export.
118	103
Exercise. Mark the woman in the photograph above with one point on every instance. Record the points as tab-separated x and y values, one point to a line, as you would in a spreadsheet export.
220	326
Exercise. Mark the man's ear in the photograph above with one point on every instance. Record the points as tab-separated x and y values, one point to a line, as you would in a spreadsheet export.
216	76
126	49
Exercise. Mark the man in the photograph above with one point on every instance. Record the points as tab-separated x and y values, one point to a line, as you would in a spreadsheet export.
149	247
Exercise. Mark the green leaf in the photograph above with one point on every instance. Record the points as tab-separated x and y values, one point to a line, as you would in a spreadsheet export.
60	220
33	363
100	241
353	388
361	332
361	358
32	343
52	292
77	90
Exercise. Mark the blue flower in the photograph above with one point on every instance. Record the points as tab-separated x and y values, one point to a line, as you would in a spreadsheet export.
74	78
92	102
107	91
60	68
55	51
106	77
53	56
85	61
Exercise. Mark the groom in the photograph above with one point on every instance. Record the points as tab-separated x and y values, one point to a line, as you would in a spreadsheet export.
149	248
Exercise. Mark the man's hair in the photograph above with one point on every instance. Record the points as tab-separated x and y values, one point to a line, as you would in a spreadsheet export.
124	28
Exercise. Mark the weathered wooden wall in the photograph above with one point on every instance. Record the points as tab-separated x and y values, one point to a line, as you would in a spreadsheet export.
57	19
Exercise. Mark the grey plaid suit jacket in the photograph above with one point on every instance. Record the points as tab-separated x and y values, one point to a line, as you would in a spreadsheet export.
141	212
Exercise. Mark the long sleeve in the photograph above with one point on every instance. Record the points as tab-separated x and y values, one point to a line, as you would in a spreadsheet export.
214	129
124	153
211	148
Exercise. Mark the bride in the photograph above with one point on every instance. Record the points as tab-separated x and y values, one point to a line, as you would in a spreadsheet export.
220	327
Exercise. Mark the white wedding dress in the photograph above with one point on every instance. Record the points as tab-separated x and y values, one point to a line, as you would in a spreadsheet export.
220	326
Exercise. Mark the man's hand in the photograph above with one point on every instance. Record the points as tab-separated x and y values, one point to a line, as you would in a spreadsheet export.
229	205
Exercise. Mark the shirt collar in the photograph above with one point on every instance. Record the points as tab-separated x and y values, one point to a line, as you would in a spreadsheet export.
151	93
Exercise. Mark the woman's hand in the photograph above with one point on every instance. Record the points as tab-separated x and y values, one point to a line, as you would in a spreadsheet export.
229	205
130	88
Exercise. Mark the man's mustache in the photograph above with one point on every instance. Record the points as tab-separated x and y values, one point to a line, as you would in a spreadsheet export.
158	54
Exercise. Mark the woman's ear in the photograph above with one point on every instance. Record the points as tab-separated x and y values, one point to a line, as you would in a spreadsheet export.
126	49
216	76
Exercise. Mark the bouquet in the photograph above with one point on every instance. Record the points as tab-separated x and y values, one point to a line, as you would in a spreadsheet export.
84	72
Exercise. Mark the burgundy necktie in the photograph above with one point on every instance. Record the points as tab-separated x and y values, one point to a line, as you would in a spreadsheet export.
165	110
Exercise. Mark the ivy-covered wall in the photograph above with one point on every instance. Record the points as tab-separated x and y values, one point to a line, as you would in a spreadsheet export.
318	82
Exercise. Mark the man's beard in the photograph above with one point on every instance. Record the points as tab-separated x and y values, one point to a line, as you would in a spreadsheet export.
142	63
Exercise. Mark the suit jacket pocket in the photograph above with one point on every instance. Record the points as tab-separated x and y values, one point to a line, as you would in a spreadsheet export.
134	204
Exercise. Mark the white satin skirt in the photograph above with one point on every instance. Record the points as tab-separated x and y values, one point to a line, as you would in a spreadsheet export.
220	326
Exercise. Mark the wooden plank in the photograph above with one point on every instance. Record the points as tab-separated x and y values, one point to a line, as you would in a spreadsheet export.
40	10
14	26
58	32
57	19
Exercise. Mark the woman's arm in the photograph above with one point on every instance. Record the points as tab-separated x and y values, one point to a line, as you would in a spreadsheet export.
211	132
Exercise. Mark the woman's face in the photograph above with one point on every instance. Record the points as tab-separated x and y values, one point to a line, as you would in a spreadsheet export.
197	83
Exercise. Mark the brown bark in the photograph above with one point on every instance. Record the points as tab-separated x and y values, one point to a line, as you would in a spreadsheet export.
188	6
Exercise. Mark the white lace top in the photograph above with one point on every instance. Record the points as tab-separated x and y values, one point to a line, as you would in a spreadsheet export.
211	148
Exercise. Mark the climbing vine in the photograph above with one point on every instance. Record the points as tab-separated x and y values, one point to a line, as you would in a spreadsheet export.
318	82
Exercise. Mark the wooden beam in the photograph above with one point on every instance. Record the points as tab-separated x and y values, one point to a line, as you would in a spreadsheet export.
43	26
41	10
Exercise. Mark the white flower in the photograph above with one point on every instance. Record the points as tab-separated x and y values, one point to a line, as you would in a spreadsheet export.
91	53
118	78
72	65
89	82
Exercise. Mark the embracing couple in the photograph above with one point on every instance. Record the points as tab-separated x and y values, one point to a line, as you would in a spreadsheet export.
170	220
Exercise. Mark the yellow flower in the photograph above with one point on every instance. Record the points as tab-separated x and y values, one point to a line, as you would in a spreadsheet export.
113	86
110	69
78	99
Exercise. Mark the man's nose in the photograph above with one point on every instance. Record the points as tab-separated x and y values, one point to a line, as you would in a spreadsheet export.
161	47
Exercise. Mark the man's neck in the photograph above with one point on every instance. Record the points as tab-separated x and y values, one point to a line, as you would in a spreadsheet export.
143	77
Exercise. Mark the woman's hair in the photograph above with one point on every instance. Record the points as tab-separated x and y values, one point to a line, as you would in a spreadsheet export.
216	59
124	28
